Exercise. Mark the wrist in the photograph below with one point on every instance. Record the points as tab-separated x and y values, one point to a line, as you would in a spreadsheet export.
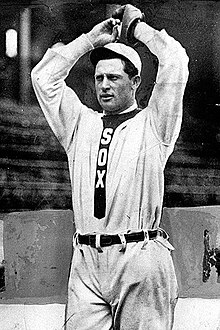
90	37
143	32
89	40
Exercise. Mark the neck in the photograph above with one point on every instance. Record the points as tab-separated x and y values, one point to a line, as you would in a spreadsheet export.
128	109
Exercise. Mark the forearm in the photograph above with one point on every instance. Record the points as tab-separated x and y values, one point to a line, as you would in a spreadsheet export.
75	49
57	62
159	43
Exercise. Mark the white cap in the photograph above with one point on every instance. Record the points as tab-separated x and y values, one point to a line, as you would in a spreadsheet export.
122	51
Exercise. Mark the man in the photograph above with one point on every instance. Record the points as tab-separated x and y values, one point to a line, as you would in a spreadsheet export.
122	274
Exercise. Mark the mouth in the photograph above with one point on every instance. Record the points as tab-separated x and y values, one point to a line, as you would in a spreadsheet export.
106	97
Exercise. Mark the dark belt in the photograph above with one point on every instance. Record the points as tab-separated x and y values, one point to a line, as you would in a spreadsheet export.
107	240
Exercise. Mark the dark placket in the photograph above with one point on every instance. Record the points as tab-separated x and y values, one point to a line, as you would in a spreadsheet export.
110	123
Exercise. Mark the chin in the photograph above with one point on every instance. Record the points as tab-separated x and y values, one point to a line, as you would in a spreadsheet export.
108	108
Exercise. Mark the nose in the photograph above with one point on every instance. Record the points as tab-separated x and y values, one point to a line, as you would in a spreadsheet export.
105	83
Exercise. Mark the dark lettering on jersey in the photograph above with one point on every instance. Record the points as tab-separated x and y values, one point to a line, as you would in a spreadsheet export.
101	169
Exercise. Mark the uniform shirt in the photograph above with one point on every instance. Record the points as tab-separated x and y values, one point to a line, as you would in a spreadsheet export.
139	147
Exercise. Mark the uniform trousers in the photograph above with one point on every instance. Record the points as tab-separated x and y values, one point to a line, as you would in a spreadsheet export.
130	289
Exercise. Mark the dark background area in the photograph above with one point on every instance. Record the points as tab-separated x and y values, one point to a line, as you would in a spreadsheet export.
33	166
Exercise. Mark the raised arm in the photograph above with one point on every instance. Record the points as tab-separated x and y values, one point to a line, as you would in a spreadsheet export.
60	104
166	102
165	105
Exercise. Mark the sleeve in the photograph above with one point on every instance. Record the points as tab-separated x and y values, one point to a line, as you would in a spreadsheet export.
166	102
59	103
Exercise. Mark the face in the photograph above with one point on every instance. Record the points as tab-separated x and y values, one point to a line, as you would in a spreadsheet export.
114	89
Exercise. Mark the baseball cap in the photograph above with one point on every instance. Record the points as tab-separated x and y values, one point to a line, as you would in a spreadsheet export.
119	49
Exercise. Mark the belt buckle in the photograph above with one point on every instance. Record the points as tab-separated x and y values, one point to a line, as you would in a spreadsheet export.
107	240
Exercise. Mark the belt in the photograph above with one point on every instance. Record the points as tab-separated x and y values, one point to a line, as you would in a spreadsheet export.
107	240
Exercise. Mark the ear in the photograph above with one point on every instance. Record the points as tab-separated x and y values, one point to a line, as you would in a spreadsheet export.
136	80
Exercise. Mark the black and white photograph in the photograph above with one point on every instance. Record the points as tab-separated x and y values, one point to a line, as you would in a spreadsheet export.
109	165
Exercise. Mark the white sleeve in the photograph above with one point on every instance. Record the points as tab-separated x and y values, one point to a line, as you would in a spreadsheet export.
59	103
166	102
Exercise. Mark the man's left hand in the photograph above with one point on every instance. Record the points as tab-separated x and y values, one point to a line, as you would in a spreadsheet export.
129	16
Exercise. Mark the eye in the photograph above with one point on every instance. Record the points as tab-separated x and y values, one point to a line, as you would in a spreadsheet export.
98	78
113	78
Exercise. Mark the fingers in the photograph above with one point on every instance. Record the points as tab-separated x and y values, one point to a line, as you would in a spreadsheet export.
116	28
113	21
116	33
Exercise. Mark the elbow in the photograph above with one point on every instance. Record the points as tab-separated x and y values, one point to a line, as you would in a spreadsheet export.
183	57
182	63
185	64
38	79
38	83
34	77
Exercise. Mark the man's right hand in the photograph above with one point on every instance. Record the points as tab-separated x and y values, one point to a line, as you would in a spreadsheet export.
104	32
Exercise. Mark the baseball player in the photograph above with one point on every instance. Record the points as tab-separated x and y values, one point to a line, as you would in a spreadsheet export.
122	274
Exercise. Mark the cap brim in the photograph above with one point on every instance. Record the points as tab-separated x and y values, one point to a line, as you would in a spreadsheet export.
102	53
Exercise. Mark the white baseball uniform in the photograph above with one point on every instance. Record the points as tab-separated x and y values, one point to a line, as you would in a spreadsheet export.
124	159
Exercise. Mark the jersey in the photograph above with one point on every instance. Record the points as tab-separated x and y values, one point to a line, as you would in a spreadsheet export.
116	172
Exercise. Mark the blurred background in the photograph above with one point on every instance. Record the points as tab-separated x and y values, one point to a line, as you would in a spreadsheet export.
33	166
